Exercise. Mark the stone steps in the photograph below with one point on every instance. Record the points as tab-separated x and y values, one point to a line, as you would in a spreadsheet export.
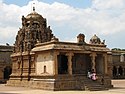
95	88
93	85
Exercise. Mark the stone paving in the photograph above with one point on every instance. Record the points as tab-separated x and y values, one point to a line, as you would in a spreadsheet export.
119	88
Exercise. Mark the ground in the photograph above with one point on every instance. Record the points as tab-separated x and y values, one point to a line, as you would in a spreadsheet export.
119	88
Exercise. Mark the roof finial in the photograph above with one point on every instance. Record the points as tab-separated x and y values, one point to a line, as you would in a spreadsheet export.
33	6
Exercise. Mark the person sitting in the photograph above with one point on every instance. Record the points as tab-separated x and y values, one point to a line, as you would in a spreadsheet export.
89	75
94	77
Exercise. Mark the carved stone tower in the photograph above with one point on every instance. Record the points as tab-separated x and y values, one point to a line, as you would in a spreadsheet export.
34	29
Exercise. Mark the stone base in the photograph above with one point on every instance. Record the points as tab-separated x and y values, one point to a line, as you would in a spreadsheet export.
55	83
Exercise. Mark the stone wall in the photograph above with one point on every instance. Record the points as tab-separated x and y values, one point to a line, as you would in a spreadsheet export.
5	55
45	64
5	61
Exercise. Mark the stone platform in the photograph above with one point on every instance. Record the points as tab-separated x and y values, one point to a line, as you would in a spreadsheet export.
62	82
119	88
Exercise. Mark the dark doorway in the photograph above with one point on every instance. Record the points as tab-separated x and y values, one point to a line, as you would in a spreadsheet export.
120	71
88	63
114	71
81	63
7	72
99	64
62	64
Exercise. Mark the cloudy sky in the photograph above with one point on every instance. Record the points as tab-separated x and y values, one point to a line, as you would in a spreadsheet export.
68	18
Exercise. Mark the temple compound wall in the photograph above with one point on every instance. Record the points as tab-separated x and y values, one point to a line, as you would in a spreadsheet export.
40	60
118	64
5	62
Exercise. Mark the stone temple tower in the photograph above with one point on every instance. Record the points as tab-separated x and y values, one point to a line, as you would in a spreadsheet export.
34	29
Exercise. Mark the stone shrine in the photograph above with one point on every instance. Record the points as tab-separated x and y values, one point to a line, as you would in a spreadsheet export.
40	60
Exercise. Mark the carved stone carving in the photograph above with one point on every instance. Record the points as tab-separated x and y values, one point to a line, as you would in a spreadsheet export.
34	29
81	38
96	40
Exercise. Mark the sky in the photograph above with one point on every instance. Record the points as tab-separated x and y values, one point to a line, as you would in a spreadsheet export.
68	18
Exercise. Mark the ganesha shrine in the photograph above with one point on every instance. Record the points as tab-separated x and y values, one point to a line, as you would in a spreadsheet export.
41	61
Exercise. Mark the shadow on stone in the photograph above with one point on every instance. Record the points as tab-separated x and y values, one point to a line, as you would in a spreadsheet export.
3	81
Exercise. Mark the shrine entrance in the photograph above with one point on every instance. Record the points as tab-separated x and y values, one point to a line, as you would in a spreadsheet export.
81	63
7	72
62	64
88	62
99	64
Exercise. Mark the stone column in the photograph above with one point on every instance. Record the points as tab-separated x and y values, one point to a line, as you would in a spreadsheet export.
123	71
109	64
55	63
93	56
1	73
69	62
122	57
117	72
105	63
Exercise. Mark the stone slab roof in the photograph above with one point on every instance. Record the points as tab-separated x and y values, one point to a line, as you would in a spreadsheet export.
69	46
4	48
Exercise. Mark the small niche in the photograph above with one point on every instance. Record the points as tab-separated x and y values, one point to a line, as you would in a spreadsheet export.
44	69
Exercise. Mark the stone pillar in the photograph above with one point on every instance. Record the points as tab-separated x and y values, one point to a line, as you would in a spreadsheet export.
105	64
117	72
93	56
122	57
109	64
55	63
69	62
1	74
123	69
